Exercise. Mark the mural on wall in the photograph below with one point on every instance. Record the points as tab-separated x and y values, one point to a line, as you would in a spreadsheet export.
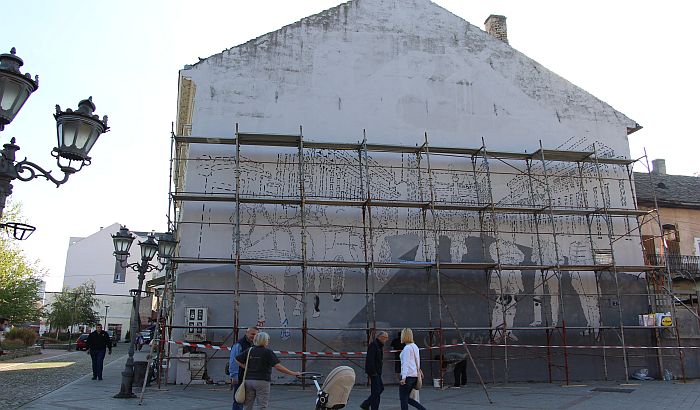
400	234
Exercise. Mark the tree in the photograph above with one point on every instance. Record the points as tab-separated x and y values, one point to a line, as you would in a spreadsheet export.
20	279
74	306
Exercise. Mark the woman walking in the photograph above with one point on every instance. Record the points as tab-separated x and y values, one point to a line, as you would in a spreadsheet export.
258	371
410	370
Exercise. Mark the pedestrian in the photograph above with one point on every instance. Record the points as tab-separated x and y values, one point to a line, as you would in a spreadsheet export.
397	347
460	373
258	371
4	327
98	342
139	341
239	347
373	368
410	370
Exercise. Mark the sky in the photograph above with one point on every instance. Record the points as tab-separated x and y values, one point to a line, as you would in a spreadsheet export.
636	56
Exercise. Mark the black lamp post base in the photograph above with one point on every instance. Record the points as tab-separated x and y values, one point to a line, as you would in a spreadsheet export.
127	381
121	395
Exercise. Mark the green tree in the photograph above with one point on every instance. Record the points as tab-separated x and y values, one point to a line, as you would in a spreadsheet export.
74	306
20	279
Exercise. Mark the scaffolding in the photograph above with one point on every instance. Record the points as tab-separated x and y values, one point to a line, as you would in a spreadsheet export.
551	193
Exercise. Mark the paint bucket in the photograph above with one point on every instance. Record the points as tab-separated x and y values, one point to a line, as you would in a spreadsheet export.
437	383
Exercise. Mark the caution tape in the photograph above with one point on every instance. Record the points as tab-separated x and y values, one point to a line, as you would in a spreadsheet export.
279	352
447	346
560	346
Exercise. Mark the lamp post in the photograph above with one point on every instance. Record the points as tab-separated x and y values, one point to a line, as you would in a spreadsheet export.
165	248
106	310
77	131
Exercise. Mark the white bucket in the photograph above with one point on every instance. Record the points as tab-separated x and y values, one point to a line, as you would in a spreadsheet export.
437	383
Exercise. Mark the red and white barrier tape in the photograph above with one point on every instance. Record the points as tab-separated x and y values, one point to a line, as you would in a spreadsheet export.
280	352
565	346
292	353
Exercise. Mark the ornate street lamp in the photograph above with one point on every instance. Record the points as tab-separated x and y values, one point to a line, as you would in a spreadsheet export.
77	132
164	247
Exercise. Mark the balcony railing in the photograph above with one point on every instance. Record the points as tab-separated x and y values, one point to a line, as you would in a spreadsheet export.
677	263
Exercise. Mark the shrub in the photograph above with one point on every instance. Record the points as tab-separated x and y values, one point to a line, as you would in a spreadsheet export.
8	344
26	335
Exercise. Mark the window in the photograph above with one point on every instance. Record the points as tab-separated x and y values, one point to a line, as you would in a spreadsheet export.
119	272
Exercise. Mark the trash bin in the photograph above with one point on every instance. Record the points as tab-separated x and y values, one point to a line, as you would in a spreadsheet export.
139	374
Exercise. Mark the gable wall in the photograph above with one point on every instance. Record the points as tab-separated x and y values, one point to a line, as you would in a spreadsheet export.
397	69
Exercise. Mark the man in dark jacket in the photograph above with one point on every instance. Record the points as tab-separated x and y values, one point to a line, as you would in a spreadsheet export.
98	342
373	368
234	370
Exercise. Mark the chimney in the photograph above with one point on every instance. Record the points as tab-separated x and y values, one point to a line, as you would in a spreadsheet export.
496	26
658	166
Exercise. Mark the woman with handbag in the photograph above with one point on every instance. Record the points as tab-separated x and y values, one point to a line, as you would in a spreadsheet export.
258	362
411	374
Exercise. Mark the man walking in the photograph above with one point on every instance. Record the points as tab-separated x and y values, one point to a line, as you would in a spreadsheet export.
98	342
460	373
373	368
234	370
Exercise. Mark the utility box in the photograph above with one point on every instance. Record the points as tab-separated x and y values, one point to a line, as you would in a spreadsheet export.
198	366
196	319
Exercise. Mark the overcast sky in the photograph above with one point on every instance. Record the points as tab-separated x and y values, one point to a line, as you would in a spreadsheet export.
640	57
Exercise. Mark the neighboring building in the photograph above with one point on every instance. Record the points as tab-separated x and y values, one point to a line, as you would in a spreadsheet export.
678	200
91	258
361	221
674	239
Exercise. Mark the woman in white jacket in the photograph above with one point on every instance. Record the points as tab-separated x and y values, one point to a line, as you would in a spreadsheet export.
410	369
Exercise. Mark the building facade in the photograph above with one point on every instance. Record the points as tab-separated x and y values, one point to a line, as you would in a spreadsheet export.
386	164
91	259
673	241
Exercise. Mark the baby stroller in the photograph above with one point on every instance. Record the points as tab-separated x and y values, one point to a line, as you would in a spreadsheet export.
336	388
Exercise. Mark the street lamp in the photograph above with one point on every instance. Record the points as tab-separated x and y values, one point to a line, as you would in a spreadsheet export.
77	131
106	310
164	247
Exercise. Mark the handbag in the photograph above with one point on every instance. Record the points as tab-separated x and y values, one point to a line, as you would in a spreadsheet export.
419	382
239	396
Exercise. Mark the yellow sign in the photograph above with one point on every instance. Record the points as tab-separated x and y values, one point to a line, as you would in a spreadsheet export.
666	321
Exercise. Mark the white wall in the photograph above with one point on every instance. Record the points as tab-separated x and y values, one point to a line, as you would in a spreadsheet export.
397	69
91	259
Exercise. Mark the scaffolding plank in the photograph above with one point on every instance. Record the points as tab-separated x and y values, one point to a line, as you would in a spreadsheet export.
455	151
205	140
393	148
340	146
561	155
438	206
293	141
279	140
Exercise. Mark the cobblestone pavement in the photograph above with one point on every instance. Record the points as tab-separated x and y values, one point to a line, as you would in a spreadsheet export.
27	378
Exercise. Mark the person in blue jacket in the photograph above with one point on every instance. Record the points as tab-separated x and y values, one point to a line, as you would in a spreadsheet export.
239	347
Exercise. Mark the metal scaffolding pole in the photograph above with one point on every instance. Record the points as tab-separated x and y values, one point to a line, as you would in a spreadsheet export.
364	193
302	215
237	241
610	228
667	286
500	298
370	228
436	256
480	203
538	302
557	261
589	225
427	255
